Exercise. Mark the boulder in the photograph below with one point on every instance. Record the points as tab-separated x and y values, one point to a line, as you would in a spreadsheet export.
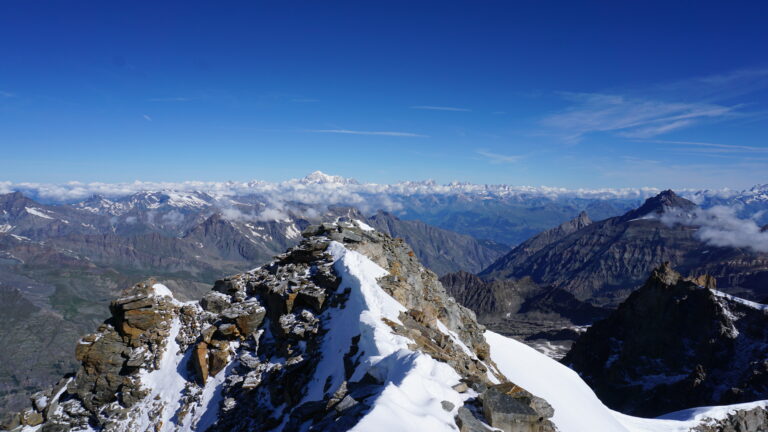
215	302
311	297
248	316
312	230
467	422
753	420
30	417
513	409
200	361
218	359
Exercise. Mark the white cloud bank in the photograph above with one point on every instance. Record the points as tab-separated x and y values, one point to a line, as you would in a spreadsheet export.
309	190
719	226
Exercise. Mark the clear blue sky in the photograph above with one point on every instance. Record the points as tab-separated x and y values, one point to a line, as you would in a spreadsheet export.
599	94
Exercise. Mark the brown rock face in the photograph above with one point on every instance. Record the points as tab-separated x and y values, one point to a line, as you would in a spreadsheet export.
200	361
138	327
31	418
420	290
218	358
675	344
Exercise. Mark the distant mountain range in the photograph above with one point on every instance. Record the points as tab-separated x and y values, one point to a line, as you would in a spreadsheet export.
604	261
547	288
503	213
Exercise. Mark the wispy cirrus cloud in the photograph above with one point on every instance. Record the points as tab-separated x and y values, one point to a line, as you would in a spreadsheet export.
146	117
5	94
707	147
440	108
630	117
720	86
171	99
377	133
497	158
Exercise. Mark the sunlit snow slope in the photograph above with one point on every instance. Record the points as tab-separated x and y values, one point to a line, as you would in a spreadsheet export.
577	409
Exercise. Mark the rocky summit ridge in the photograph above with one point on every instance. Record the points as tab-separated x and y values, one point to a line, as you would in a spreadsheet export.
337	332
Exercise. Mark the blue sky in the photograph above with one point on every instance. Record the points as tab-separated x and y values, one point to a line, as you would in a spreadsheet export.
599	94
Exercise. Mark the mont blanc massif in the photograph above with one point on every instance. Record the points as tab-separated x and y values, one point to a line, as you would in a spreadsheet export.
325	304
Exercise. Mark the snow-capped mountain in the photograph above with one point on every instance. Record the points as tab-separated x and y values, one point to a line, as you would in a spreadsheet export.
319	177
346	331
146	200
508	214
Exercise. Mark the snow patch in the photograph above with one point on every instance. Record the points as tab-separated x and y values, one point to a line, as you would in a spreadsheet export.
577	408
747	303
364	226
165	384
162	290
37	212
292	232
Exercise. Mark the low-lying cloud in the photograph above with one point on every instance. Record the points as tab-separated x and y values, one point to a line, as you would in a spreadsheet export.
720	226
363	195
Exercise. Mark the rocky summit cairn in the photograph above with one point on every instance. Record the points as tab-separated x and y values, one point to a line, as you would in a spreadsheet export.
246	356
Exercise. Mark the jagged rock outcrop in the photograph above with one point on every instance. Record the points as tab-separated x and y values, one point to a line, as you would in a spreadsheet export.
315	340
743	420
106	385
676	343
